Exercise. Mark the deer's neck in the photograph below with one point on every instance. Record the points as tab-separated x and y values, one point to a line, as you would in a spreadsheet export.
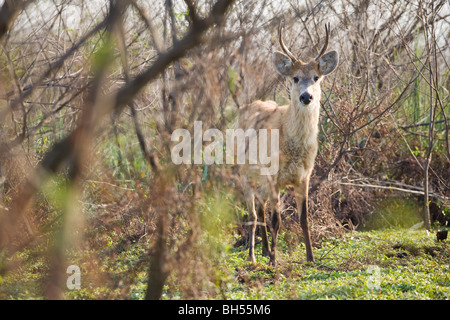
301	123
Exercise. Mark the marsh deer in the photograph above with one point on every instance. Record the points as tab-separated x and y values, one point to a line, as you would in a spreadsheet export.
297	125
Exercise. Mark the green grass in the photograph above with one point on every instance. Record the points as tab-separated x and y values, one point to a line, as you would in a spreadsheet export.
410	265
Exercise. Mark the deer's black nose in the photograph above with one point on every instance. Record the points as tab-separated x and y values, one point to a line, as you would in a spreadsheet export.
305	98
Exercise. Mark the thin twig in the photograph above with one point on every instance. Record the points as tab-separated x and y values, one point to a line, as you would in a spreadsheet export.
364	185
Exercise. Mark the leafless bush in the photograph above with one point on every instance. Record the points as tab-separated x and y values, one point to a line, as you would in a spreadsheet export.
92	92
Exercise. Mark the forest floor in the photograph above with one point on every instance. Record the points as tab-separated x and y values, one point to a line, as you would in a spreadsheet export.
381	264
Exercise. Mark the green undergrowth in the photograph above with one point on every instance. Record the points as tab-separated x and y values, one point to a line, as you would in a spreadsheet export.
377	264
388	264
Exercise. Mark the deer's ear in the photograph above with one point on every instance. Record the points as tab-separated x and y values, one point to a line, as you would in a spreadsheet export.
283	63
328	62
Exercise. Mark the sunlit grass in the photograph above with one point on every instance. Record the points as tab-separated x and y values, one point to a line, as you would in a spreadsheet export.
411	264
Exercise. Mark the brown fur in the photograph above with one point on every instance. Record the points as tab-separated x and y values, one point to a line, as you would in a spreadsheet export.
298	128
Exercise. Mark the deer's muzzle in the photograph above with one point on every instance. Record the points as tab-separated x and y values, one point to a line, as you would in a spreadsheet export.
306	98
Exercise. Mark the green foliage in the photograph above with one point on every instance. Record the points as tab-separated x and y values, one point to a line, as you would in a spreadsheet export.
103	56
412	265
394	213
124	157
216	221
341	271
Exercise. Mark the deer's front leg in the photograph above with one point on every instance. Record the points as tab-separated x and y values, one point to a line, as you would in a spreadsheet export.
301	198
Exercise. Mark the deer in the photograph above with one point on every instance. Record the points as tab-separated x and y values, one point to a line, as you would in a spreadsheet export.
298	127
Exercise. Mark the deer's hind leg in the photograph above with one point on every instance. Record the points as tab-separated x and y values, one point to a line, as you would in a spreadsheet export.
256	208
301	198
260	211
275	227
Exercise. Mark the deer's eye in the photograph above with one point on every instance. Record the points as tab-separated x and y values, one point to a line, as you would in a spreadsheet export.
296	79
316	77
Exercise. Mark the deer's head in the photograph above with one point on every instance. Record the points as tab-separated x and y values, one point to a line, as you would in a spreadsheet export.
305	76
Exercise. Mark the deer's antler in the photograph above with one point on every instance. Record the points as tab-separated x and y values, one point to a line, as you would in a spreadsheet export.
283	46
325	46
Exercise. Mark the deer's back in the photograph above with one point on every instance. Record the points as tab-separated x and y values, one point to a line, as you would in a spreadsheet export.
261	115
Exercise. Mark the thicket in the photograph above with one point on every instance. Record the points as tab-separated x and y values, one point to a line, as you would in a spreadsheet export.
90	93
